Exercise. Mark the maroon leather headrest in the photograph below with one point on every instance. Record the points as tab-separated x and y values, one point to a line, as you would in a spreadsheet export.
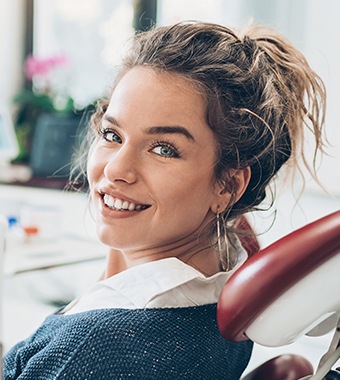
269	273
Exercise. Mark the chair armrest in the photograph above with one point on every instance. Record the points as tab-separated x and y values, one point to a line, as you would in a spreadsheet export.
282	367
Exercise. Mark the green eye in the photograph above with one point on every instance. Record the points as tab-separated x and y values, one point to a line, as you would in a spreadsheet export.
164	149
110	135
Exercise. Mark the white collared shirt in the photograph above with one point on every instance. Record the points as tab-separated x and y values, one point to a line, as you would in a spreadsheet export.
158	284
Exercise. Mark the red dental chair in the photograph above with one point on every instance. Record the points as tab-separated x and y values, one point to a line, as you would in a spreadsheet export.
284	291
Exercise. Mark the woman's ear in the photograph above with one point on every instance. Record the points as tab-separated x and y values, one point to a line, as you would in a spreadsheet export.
230	191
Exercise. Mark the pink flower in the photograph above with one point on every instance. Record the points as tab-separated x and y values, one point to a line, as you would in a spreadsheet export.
43	66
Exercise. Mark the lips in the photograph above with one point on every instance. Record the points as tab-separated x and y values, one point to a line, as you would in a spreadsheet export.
121	204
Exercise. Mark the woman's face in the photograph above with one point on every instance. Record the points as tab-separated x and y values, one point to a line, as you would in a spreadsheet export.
151	168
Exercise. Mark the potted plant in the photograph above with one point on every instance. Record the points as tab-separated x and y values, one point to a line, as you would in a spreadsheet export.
47	119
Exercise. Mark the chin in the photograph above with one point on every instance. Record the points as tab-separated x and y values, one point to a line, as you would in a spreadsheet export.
112	240
105	235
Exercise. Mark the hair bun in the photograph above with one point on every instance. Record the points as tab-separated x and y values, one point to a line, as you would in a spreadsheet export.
249	45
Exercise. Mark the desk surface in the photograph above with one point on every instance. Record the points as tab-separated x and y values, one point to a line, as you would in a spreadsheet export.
23	258
21	175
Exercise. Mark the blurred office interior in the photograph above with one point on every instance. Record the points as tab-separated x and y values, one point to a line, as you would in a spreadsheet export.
87	37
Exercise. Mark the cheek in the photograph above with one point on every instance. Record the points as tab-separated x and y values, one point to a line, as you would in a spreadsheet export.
95	166
182	210
185	192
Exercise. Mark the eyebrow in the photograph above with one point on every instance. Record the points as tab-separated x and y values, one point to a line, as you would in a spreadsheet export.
170	129
111	120
157	130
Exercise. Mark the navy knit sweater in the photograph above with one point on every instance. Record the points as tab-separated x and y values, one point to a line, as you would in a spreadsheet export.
176	343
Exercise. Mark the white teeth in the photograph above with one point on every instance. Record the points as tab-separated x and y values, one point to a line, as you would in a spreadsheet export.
125	205
132	206
108	200
118	204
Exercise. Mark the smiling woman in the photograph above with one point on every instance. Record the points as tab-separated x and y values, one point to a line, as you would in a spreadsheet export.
142	141
199	121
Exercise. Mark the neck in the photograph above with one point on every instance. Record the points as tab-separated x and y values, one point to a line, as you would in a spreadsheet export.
200	256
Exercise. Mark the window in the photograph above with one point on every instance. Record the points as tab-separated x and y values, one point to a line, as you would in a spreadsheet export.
90	34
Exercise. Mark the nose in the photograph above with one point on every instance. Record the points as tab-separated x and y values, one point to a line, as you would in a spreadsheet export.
122	165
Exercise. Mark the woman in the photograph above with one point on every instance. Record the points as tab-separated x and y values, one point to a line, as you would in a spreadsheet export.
199	122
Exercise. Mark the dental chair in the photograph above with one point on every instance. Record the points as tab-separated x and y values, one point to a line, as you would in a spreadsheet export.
284	291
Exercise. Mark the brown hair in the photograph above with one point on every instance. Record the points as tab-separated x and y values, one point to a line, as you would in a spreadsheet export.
261	96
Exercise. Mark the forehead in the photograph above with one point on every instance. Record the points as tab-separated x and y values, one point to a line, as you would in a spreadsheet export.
163	91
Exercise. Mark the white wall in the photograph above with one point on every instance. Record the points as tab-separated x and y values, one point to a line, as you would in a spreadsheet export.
322	49
11	48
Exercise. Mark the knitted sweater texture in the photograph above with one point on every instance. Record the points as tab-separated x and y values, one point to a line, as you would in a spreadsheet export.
104	344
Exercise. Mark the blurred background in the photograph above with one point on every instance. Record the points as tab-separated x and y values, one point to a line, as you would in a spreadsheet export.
57	58
78	44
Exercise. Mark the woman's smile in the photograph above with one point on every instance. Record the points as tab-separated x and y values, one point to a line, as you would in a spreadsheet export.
113	204
121	205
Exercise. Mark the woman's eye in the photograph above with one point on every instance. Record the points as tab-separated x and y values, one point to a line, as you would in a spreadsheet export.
165	151
110	136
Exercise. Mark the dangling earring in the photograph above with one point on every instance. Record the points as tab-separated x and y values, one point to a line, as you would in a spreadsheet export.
223	246
218	225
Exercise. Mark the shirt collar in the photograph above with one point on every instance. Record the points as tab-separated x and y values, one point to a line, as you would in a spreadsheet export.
143	283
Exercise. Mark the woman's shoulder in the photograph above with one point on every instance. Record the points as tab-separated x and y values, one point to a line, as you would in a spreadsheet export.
150	320
147	343
167	343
